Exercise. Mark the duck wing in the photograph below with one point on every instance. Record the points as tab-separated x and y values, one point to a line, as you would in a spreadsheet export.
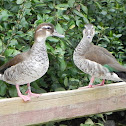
104	57
17	59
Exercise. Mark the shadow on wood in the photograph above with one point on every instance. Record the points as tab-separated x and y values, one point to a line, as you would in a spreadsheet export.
63	105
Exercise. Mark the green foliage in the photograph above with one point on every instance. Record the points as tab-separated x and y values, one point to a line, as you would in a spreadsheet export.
18	18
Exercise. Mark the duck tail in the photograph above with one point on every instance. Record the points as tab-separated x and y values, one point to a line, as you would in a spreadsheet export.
121	75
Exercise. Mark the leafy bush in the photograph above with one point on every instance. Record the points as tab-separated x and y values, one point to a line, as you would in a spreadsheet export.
18	18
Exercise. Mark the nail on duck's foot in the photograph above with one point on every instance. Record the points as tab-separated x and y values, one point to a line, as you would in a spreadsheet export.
32	94
25	98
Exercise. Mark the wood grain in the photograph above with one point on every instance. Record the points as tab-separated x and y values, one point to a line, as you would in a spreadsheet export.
63	105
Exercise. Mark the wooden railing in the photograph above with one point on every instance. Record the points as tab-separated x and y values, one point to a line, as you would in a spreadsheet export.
63	105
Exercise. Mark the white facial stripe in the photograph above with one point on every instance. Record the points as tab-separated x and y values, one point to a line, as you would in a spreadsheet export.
46	26
39	29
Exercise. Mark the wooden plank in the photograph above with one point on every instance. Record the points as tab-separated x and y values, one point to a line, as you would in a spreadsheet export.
63	105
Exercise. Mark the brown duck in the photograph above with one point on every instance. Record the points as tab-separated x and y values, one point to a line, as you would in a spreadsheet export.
31	65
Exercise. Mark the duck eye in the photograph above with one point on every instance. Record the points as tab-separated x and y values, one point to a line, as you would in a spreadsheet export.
48	28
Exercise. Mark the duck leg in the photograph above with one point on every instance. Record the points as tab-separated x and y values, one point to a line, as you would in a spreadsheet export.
30	93
91	84
101	84
24	97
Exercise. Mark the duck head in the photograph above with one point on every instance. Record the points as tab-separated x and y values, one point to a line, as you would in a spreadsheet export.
89	32
45	30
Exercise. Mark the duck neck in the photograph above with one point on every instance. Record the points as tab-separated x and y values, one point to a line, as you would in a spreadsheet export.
82	47
39	46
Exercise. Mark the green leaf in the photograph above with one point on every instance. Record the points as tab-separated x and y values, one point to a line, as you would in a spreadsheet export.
3	88
13	91
8	52
24	23
78	22
19	1
15	52
35	88
59	29
73	79
117	36
27	4
71	25
62	6
103	12
89	121
46	11
101	116
106	38
49	47
66	17
71	3
78	13
85	19
60	89
30	33
40	5
63	125
62	44
66	81
97	80
62	64
4	15
13	42
83	124
98	5
112	10
11	52
52	39
27	12
23	89
59	51
84	8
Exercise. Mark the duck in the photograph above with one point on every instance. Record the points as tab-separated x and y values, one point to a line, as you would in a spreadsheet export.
96	61
31	65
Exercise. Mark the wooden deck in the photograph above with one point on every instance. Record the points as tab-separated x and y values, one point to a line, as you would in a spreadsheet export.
63	105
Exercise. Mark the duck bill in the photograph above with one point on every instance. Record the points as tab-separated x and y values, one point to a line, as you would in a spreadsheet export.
55	33
88	36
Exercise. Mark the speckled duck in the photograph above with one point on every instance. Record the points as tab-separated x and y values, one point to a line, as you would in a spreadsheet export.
29	66
97	61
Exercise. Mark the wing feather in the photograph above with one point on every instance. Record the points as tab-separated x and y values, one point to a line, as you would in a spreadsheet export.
17	59
102	56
